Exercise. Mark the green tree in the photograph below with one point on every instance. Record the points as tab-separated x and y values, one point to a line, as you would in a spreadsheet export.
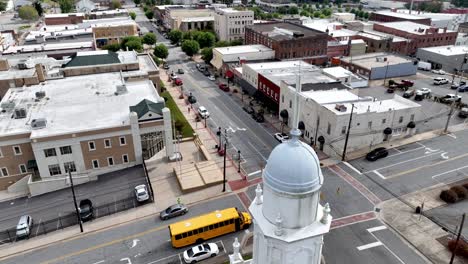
190	47
37	5
115	4
360	7
3	5
161	51
293	10
347	9
137	2
222	43
132	15
188	35
236	42
353	11
326	12
28	13
304	13
175	36
149	39
317	14
145	9
366	15
132	43
317	5
149	14
460	3
112	47
282	10
205	39
322	16
66	6
207	54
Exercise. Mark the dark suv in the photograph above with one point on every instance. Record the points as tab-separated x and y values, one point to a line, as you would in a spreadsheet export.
86	210
376	154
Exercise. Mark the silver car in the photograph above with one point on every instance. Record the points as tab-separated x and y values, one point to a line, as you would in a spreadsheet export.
23	228
141	193
173	211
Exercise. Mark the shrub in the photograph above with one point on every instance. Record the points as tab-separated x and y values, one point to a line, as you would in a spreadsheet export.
461	192
462	248
449	196
390	82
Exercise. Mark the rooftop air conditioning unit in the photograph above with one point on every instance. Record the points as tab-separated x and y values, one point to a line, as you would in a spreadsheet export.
121	89
340	107
38	123
20	113
40	94
8	105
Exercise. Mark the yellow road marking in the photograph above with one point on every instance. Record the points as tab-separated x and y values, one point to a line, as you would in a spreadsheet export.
425	166
103	245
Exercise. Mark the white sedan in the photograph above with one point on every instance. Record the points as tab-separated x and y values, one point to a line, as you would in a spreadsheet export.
141	193
200	252
424	91
441	72
281	137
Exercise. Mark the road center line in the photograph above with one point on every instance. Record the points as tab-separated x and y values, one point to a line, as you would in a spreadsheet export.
371	245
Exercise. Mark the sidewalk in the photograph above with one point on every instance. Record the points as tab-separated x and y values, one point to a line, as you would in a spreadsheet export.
419	231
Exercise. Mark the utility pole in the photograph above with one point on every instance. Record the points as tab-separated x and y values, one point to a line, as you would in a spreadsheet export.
224	158
74	200
458	239
452	105
219	136
238	168
343	157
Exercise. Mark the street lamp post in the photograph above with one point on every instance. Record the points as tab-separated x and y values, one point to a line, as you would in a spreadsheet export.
238	168
224	160
219	136
343	157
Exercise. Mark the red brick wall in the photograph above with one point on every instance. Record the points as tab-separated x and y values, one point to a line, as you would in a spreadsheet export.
64	20
268	88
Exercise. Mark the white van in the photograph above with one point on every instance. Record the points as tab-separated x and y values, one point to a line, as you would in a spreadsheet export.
23	228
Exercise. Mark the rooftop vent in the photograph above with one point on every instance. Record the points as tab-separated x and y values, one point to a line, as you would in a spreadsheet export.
340	107
298	34
40	94
20	113
8	105
121	89
38	123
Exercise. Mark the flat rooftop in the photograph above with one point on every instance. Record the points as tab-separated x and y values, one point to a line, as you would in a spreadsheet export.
376	35
48	47
284	31
448	50
231	10
75	104
372	60
331	96
362	107
411	27
198	19
242	49
339	72
400	15
63	15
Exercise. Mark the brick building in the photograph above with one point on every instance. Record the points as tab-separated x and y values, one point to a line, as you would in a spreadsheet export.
391	16
113	31
290	41
418	35
63	19
381	42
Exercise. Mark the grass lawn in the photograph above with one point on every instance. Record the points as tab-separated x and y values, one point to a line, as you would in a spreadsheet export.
187	130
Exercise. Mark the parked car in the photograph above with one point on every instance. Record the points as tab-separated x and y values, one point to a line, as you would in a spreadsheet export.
450	98
463	88
463	112
86	210
248	109
455	85
211	78
440	80
407	83
173	76
409	93
141	193
166	66
178	81
200	252
224	87
24	226
180	71
390	90
173	211
441	72
419	96
203	112
376	154
281	137
258	117
425	91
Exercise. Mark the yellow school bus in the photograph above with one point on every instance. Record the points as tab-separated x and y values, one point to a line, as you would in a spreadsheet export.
201	228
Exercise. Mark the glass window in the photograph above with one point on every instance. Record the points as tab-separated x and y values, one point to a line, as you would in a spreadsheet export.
4	171
221	224
123	141
329	129
125	158
107	143
200	230
177	237
91	145
412	117
400	120
110	161
195	231
69	166
184	235
216	225
189	233
343	130
206	228
384	120
22	168
211	227
95	164
50	152
369	124
54	169
17	150
65	150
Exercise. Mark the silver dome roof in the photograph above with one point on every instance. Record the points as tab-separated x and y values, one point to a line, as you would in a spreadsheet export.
293	167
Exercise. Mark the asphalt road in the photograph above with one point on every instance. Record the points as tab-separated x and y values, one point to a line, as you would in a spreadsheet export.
144	241
108	188
254	140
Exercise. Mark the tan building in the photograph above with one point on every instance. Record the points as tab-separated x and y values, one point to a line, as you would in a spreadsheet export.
85	124
186	19
230	23
114	32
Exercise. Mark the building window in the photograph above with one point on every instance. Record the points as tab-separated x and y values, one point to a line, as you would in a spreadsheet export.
123	141
1	154
290	103
110	161
282	99
329	129
17	150
369	124
50	152
107	143
65	150
91	145
54	169
400	120
125	158
69	166
384	120
95	164
412	117
22	168
4	171
343	130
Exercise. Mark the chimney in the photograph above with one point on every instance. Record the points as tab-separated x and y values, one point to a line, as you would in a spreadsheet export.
4	65
40	72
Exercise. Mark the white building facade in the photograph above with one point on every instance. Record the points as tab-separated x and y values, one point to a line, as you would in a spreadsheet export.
229	24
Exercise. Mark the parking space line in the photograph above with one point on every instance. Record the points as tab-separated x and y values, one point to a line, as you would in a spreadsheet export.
385	246
180	259
37	230
404	152
254	173
422	145
168	257
399	151
377	228
379	174
405	161
445	172
370	245
352	167
58	221
224	248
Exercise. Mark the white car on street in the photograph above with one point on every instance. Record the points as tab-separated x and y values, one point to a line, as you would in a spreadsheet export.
281	137
203	112
200	252
211	78
141	193
441	72
424	91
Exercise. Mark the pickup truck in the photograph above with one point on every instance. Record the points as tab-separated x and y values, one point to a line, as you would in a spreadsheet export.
450	98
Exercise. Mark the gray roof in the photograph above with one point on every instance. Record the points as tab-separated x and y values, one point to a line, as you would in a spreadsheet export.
145	106
93	59
322	86
283	30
